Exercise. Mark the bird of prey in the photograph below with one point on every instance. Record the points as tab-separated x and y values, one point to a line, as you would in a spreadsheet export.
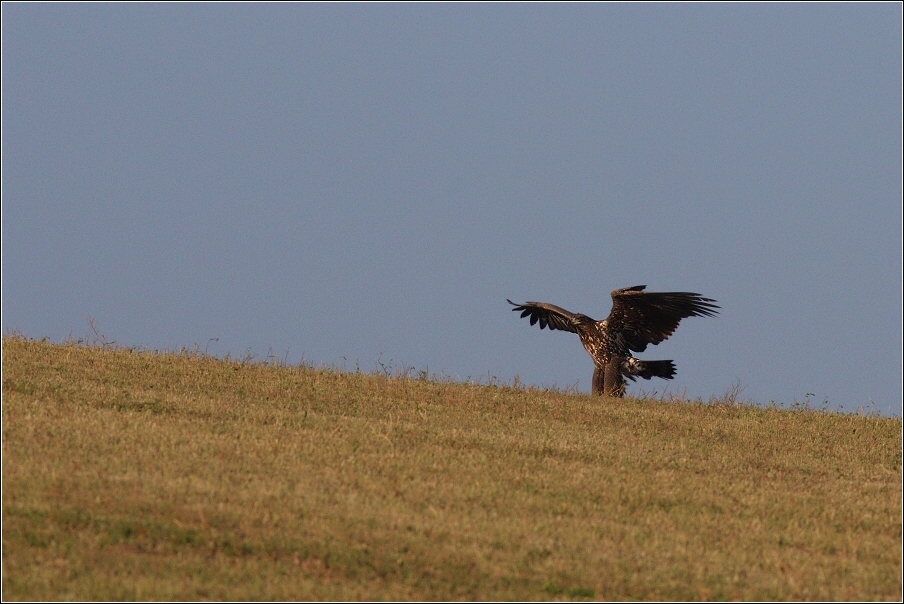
637	319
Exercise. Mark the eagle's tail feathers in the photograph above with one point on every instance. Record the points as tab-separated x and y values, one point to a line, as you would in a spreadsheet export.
634	368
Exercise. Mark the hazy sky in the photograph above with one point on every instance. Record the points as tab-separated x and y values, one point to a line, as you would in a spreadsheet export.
358	183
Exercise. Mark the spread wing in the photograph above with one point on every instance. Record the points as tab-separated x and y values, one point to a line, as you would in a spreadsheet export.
549	315
640	318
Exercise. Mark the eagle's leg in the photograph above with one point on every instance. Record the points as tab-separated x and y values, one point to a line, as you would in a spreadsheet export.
598	380
613	382
608	381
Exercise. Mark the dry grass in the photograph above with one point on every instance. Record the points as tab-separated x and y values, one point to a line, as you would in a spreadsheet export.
135	475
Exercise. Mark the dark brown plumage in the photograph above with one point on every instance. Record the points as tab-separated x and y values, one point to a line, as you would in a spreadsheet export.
637	319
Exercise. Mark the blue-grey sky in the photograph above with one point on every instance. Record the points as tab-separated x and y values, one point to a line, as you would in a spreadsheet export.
358	183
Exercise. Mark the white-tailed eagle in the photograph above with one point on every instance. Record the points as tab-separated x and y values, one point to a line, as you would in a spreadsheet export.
637	319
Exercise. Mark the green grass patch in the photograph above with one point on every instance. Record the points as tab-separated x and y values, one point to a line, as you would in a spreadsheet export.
134	475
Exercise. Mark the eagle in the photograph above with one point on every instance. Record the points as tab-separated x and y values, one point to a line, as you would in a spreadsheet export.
637	319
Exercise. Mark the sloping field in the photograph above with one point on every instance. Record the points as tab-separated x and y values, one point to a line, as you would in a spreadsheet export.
135	475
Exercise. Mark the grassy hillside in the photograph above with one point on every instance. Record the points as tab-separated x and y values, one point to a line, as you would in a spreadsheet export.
130	475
